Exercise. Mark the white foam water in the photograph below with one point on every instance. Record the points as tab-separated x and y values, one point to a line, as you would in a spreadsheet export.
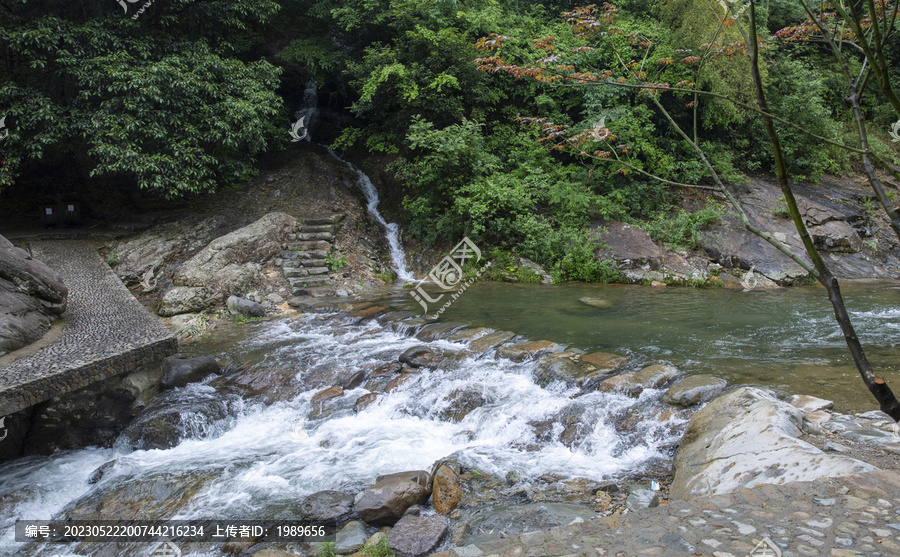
270	457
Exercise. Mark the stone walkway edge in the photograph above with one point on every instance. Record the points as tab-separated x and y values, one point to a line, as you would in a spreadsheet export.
108	333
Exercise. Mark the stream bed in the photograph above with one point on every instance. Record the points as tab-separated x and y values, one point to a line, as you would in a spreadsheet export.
256	442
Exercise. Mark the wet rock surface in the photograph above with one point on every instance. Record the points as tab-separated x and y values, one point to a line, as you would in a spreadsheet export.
326	505
179	371
385	502
418	535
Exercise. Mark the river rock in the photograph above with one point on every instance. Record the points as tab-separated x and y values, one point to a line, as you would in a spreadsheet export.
418	535
490	341
326	505
364	401
149	498
642	499
693	390
713	457
324	402
326	395
244	307
179	371
596	302
509	521
420	477
808	403
528	350
229	264
545	277
31	296
350	538
438	330
176	416
184	299
419	356
461	402
604	361
633	383
264	384
447	492
397	382
385	502
468	333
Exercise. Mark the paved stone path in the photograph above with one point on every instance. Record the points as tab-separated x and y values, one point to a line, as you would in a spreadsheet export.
108	332
837	517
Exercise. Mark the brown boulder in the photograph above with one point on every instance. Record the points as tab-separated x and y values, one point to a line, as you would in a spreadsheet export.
447	492
384	503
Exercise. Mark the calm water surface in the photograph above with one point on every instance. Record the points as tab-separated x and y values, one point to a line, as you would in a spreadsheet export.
784	338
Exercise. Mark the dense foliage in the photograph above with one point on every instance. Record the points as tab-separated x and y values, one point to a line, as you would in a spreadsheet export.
181	98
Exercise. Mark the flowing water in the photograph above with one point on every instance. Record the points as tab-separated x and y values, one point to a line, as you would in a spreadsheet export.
391	229
275	446
784	338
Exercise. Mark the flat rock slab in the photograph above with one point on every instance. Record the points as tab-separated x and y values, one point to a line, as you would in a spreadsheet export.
694	390
528	350
490	341
807	403
713	457
108	333
438	330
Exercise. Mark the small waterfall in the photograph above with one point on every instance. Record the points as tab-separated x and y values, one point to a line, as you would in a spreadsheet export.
310	108
392	231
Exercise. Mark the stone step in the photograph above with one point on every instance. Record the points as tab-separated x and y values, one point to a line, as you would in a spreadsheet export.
315	292
328	236
290	263
316	270
327	219
312	229
313	263
312	245
295	272
310	282
314	254
289	254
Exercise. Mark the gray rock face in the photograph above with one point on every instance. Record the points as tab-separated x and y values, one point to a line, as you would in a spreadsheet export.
229	264
713	457
326	505
141	258
418	535
244	307
170	418
31	295
694	390
385	502
184	299
179	371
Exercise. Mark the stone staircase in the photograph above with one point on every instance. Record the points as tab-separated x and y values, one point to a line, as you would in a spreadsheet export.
303	262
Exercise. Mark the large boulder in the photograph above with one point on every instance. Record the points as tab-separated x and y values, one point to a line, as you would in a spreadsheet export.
229	265
694	390
31	296
141	259
384	503
746	438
